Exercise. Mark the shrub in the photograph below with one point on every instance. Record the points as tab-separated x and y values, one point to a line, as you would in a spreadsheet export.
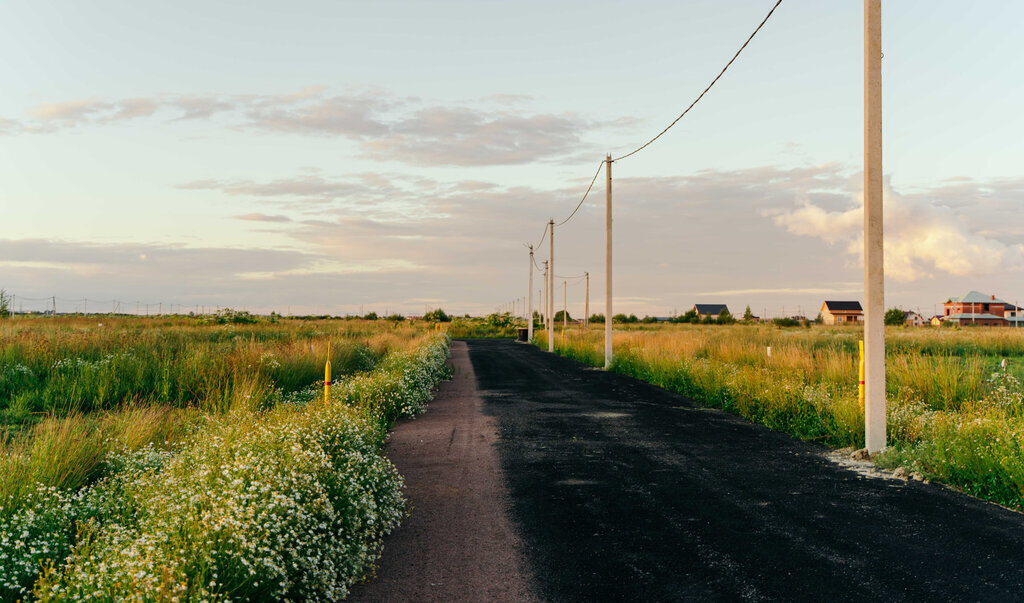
437	315
894	317
559	315
599	318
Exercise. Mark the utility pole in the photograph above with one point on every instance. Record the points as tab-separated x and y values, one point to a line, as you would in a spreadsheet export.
544	314
874	276
608	263
586	303
551	297
85	306
565	306
54	300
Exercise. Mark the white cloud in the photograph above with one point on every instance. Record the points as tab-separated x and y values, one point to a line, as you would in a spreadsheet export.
922	237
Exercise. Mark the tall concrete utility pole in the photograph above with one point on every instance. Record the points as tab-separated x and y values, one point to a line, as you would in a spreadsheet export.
608	263
565	306
544	314
874	276
551	297
586	303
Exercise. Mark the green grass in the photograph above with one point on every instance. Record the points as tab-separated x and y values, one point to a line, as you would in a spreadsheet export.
289	500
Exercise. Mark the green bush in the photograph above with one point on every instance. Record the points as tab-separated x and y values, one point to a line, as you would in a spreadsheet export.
894	317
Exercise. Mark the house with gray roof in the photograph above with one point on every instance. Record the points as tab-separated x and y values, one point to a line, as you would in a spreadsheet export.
976	308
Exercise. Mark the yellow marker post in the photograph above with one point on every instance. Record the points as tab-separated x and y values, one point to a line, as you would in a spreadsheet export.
860	372
327	374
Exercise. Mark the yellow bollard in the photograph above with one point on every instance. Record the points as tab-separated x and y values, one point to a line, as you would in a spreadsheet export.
327	374
860	372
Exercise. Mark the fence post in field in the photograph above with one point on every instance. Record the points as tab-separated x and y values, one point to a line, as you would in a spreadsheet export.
551	295
608	263
874	276
586	303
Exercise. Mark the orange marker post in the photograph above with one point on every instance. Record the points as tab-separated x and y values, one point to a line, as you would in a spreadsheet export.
860	372
327	374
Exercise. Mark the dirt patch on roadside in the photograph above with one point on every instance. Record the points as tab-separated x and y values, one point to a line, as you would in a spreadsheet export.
458	543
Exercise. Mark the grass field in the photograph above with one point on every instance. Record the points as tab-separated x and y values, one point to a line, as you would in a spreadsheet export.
171	458
953	414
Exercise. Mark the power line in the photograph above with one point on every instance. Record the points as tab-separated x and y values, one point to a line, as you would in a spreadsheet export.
592	181
543	236
722	72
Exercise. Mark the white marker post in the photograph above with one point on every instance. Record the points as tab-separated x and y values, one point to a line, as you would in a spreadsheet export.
874	275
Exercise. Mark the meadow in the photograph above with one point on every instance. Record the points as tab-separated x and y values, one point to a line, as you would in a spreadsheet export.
954	415
195	459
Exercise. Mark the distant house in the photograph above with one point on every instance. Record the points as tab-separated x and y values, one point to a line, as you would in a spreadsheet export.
842	312
937	320
976	308
1014	315
913	319
712	310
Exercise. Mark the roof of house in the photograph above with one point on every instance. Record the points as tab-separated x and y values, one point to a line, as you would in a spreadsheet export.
975	317
843	306
977	297
710	308
1009	306
909	313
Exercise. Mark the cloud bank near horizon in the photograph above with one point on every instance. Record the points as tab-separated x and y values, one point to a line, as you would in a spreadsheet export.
495	130
761	236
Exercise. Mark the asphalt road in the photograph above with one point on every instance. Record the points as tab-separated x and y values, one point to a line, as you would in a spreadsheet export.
622	491
592	486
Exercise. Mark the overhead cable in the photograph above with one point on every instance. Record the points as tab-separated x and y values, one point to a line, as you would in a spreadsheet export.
580	204
722	72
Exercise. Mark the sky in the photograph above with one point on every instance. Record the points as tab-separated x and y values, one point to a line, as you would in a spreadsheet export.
347	157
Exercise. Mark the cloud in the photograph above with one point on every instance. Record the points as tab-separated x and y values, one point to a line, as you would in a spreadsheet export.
496	130
353	116
469	137
258	217
923	236
70	111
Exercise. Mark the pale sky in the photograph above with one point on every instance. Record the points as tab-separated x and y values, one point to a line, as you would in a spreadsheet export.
333	156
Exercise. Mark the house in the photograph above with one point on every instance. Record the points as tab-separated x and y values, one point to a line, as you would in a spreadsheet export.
913	319
937	320
976	308
712	310
1014	315
842	312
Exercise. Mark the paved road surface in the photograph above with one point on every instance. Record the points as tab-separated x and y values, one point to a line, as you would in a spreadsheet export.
621	491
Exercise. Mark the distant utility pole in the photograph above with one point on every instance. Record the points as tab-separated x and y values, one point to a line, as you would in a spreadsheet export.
544	313
874	277
551	271
54	300
608	263
586	303
85	306
565	306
